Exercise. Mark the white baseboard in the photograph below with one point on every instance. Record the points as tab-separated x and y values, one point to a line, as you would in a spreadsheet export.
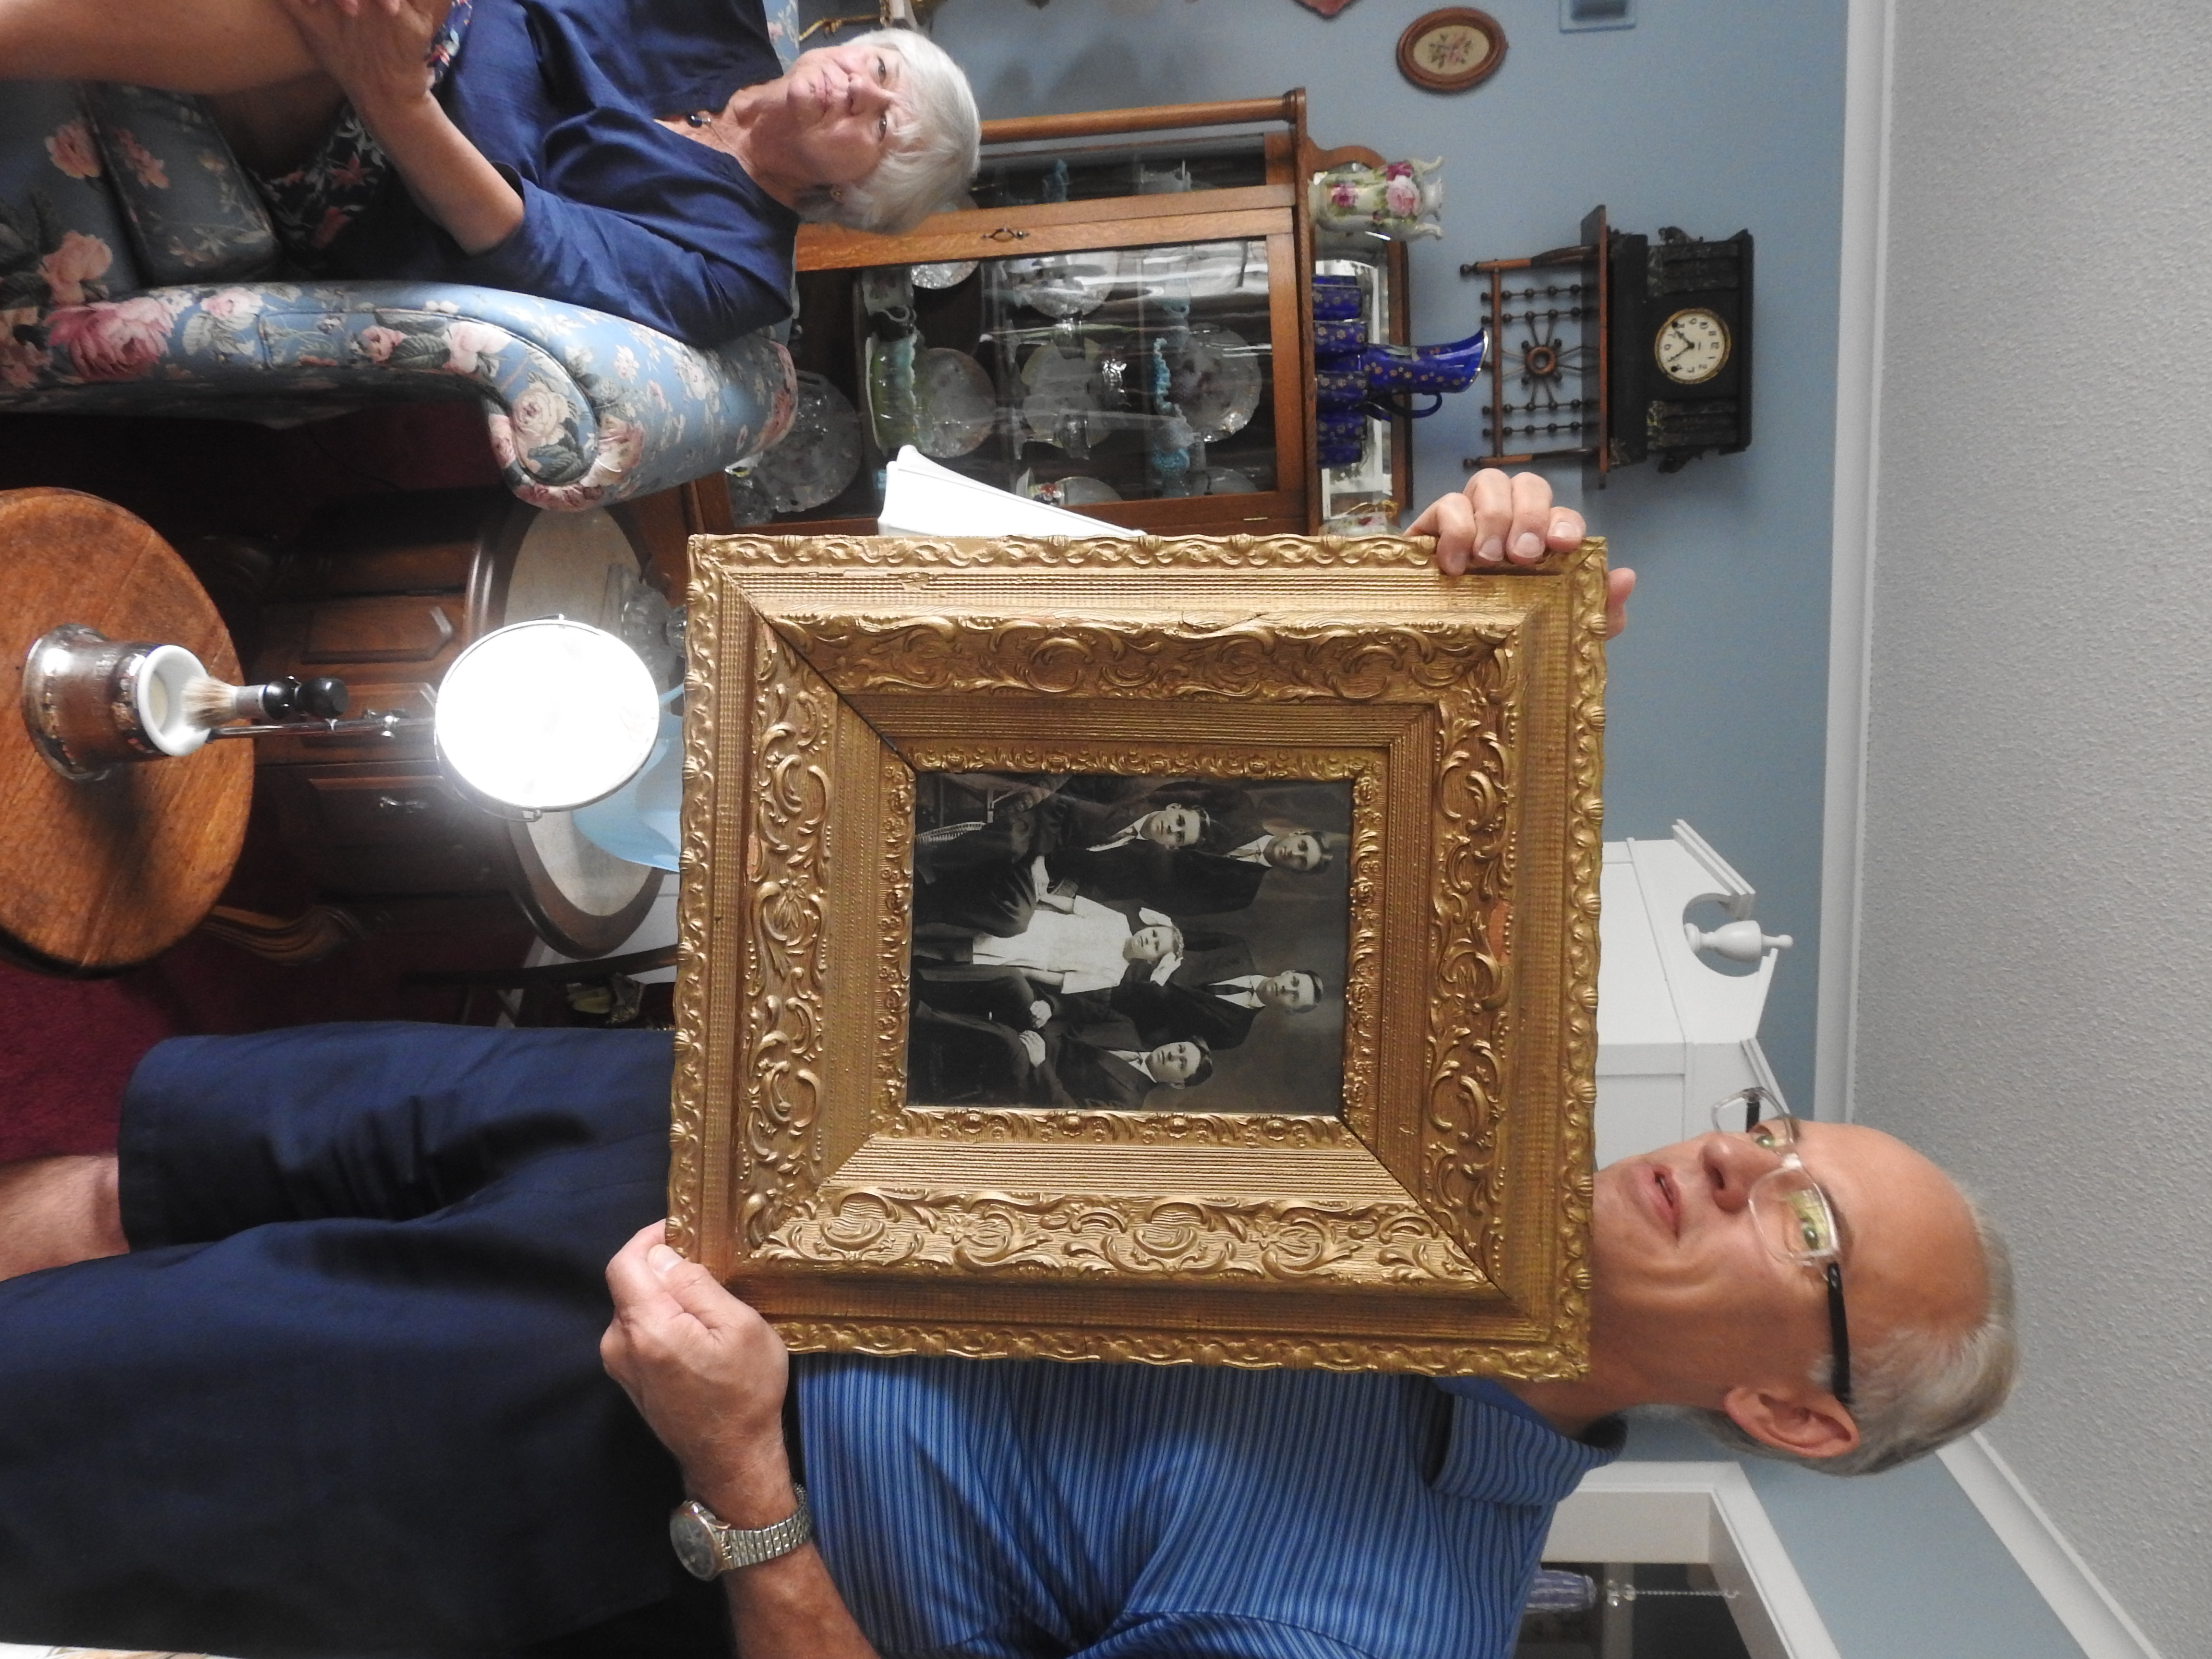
2083	1604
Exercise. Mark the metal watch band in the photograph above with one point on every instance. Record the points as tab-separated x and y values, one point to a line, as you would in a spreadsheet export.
732	1547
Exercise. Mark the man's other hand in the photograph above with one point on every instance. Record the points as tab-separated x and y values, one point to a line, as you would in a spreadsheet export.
1497	519
707	1373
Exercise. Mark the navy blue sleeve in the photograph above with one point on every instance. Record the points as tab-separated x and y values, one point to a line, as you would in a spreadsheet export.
620	213
592	256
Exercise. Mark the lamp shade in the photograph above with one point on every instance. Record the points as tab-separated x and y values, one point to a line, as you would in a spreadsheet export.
545	716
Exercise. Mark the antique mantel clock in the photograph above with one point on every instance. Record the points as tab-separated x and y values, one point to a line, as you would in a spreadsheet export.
1681	348
1618	349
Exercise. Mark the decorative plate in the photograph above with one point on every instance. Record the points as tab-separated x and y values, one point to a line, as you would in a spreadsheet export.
1214	378
814	461
944	273
955	405
1063	401
1060	286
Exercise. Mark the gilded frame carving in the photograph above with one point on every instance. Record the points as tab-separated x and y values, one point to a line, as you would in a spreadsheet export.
1438	1226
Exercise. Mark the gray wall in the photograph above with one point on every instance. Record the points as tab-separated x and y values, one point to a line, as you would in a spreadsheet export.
2037	923
1715	116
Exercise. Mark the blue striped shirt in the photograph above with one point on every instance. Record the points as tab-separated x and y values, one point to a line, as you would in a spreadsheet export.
1013	1510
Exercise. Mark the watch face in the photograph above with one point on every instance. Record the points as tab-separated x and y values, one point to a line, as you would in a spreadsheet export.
695	1543
1693	346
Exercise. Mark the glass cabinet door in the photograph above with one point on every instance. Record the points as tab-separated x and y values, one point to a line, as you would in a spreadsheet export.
1080	378
1092	172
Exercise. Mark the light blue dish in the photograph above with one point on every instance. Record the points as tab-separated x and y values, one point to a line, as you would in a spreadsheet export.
639	821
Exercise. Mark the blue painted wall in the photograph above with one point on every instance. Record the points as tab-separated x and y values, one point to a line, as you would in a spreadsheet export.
1901	1565
1715	116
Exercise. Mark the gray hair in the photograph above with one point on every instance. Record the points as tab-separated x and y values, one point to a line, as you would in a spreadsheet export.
938	140
1918	1391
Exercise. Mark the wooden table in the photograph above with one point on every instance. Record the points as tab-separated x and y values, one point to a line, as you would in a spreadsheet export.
102	876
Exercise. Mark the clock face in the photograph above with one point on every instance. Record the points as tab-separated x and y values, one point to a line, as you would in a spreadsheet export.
695	1543
1693	346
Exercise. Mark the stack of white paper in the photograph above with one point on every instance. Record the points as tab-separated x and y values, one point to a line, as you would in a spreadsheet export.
921	498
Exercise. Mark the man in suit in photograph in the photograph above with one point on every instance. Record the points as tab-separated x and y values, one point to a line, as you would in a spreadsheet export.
1111	1067
1212	956
1070	818
1184	881
1221	1012
988	877
1017	1058
967	1059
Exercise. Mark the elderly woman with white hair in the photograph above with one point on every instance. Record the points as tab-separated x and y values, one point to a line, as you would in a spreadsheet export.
649	158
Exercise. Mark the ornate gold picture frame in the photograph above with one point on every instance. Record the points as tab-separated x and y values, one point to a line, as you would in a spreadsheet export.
1437	1223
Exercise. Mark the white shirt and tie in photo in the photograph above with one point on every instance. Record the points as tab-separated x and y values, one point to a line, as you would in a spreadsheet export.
1244	990
1076	937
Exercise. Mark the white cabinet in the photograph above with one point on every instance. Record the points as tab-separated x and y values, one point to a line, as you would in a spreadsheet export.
1674	1033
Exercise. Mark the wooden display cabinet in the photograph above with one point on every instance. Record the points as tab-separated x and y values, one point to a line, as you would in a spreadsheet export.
1127	313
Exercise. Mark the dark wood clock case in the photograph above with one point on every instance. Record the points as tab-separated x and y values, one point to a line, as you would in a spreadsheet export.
1651	416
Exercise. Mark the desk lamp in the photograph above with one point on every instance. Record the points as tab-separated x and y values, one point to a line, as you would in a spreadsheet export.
537	717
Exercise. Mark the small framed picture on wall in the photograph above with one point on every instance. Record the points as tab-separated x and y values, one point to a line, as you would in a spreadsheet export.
1451	49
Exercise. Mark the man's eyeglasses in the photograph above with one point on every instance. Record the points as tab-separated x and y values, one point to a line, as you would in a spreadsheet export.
1792	1214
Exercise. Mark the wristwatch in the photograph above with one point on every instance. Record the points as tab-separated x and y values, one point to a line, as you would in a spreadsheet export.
709	1546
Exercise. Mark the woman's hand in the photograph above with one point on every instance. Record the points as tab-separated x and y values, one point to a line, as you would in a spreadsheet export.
708	1375
377	51
1496	519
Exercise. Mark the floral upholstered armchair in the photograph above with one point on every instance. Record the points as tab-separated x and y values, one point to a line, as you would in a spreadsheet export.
139	274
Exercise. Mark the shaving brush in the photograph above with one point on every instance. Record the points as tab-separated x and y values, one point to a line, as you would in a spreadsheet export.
90	702
210	702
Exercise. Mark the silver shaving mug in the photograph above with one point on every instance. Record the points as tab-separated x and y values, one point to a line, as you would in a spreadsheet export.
92	702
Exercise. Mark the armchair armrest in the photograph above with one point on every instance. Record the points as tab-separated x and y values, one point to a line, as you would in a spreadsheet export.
583	409
587	408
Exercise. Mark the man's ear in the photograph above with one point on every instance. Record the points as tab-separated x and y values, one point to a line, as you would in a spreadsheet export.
1808	1425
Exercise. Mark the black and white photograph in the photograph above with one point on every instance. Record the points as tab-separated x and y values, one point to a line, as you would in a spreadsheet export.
1096	940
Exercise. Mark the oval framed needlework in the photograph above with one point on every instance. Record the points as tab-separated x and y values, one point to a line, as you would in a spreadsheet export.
1451	49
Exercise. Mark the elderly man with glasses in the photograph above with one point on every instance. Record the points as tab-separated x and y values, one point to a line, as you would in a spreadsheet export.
1718	1284
331	1385
315	1368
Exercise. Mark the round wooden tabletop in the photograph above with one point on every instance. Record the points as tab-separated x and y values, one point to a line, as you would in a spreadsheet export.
101	876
